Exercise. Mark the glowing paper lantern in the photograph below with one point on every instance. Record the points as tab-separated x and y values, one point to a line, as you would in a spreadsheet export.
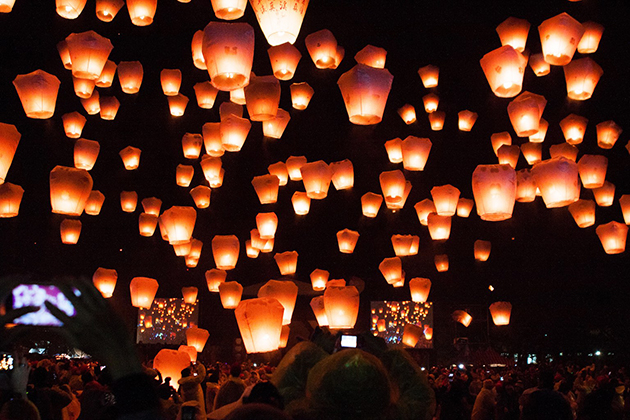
285	292
482	250
499	139
431	102
573	127
94	203
419	288
206	94
170	363
237	96
436	119
10	199
6	6
557	180
64	54
301	94
106	10
267	223
604	195
230	293
92	105
225	249
294	165
69	190
428	333
214	278
143	290
85	153
564	150
274	128
342	306
423	209
152	205
260	323
532	152
445	199
347	240
9	140
179	223
391	269
501	312
494	190
559	37
441	262
147	224
394	150
284	59
466	120
105	281
197	337
106	78
323	49
250	250
415	153
583	212
70	9
191	145
190	350
412	334
365	90
464	207
196	48
177	104
171	80
130	74
228	51
287	262
342	174
508	155
262	96
38	93
607	134
279	24
83	88
316	177
229	9
540	135
371	204
405	245
73	124
624	203
142	12
407	113
525	112
183	250
128	201
233	131
266	187
190	296
211	167
429	75
581	77
538	64
393	186
317	305
613	237
525	186
590	39
439	226
462	317
301	203
513	32
88	53
504	69
592	169
319	279
372	56
109	107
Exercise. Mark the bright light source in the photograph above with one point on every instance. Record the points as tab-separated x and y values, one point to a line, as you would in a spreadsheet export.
598	353
461	366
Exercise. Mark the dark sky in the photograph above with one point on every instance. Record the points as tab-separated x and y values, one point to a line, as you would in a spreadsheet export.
557	276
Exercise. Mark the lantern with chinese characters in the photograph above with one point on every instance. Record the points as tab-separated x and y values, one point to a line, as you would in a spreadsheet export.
170	363
105	281
342	174
342	306
613	237
592	169
573	127
445	199
391	269
501	312
130	157
130	74
287	262
228	51
405	245
106	77
319	278
206	94
197	338
604	195
482	250
279	23
590	39
557	180
284	60
179	223
294	165
494	190
94	203
92	105
423	209
128	201
38	93
214	278
407	113
262	96
415	153
464	206
301	94
371	204
143	290
462	317
230	293
88	53
365	90
564	150
347	240
73	124
322	47
394	150
201	196
441	262
142	12
499	139
419	288
513	32
581	77
177	104
190	295
439	226
285	292
171	80
9	140
583	212
525	112
538	64
233	131
70	9
504	69
10	199
607	134
466	120
106	10
225	249
532	152
372	56
429	75
267	223
109	107
316	177
301	203
69	190
260	323
317	305
559	37
85	153
412	334
274	128
508	155
266	187
525	186
147	224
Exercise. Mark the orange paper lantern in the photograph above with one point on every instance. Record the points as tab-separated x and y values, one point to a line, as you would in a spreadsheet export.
525	112
347	240
592	169
371	56
287	262
581	77
415	153
105	281
69	190
405	245
439	226
559	37
260	323
412	334
109	107
482	250
590	39
197	338
190	295
201	195
342	174
279	24
267	223
365	90
10	199
583	212
525	186
423	209
613	237
73	124
206	94
342	306
445	199
557	179
371	204
466	120
9	140
532	152
608	133
573	127
274	128
179	223
70	9
604	195
147	224
228	51
464	207
106	77
407	113
94	203
394	150
462	317
225	249
106	10
494	190
429	75
538	64
85	153
301	203
391	269
128	201
316	177
92	105
285	292
319	279
233	131
317	305
170	363
171	80
142	12
513	32
88	53
38	93
441	262
214	278
501	312
130	74
301	94
419	288
284	60
143	290
504	69
230	293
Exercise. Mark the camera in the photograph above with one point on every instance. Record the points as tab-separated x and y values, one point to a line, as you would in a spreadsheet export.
35	295
348	341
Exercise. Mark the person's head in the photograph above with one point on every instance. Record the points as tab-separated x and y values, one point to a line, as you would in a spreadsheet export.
235	370
40	378
19	409
488	384
545	379
265	393
186	373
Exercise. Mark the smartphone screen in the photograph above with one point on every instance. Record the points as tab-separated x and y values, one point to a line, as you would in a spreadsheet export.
348	341
35	295
6	361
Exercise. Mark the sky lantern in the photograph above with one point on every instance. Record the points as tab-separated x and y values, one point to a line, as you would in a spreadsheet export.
88	53
9	140
190	350
106	77
428	333
624	203
319	278
408	113
431	102
464	207
69	190
214	278
466	119
163	231
171	80
191	145
525	112
482	250
394	150
6	6
284	60
225	249
179	222
439	226
419	288
441	263
564	150
301	94
191	262
143	290
10	199
607	134
508	155
279	24
590	39
197	337
83	88
285	292
525	186
195	248
604	195
342	306
557	179
316	177
237	96
581	77
109	107
142	12
393	185
106	10
267	246
92	105
73	124
532	152
274	128
206	94
301	203
317	305
573	127
504	69
423	209
394	204
559	37
322	47
287	262
342	174
262	96
170	363
94	203
415	153
294	165
347	240
371	204
231	108
513	32
228	51
501	312
494	189
147	224
412	334
85	153
436	120
230	293
613	237
365	90
583	212
130	74
539	136
429	75
266	187
229	9
177	104
284	337
104	280
462	317
196	48
592	170
391	269
152	205
445	198
372	56
405	245
233	131
70	9
212	139
499	139
538	64
38	93
190	295
260	323
128	201
267	223
64	54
